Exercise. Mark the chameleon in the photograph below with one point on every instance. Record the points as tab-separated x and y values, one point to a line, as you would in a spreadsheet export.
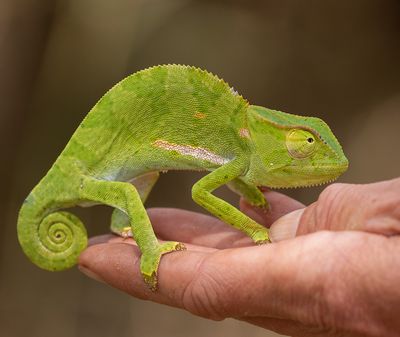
171	117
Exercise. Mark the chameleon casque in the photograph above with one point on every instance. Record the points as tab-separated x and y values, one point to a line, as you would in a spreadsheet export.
170	117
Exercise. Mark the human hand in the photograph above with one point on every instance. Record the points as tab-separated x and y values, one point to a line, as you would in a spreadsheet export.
338	276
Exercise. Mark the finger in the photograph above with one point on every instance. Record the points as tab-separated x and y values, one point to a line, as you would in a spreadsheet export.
117	264
245	282
280	204
114	238
195	228
130	241
274	324
372	208
188	227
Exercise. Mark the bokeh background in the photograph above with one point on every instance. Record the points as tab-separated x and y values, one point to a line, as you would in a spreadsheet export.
338	60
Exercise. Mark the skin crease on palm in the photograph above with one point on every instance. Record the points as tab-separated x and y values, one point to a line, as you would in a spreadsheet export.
332	270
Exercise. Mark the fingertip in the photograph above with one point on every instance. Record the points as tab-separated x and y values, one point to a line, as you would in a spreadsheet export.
90	274
88	261
118	265
87	255
103	257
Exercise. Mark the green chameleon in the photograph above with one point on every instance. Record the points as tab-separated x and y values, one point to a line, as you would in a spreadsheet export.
171	117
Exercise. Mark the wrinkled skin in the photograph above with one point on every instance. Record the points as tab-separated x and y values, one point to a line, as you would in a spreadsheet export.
338	277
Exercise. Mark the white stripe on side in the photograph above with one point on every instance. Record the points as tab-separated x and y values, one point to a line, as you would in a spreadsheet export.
195	152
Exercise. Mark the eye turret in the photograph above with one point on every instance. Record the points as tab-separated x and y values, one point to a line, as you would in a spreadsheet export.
300	143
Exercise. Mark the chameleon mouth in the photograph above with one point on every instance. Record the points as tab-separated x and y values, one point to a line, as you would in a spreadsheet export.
328	167
308	176
313	184
301	185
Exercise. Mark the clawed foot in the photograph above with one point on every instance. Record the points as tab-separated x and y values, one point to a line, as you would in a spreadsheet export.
261	237
262	242
265	207
150	260
126	232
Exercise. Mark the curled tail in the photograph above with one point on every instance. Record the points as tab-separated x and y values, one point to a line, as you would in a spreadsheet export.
51	239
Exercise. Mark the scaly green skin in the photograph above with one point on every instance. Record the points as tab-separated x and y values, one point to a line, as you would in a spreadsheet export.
170	118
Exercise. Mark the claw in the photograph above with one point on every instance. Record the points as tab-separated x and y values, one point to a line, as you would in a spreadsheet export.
151	281
262	242
180	246
261	237
126	232
149	262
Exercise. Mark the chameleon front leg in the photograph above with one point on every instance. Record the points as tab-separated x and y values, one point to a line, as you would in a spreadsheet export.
120	223
125	197
201	194
250	192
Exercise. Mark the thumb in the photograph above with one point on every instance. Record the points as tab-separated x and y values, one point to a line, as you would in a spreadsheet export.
371	208
286	227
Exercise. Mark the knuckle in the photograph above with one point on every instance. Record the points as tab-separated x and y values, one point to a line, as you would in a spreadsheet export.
203	295
335	288
330	204
331	192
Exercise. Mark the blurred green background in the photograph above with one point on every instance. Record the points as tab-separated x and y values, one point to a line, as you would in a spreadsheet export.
338	60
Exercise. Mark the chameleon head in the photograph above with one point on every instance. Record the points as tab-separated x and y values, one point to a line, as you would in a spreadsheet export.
292	151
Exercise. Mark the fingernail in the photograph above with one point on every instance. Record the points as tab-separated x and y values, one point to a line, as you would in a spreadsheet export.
285	227
90	274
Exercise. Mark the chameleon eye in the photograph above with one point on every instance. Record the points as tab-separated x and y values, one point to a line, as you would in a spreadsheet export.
300	143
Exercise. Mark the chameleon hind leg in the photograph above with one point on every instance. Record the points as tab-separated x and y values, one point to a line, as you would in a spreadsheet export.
125	197
202	194
120	223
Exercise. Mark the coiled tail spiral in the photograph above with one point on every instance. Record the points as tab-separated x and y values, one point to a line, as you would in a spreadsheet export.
52	241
